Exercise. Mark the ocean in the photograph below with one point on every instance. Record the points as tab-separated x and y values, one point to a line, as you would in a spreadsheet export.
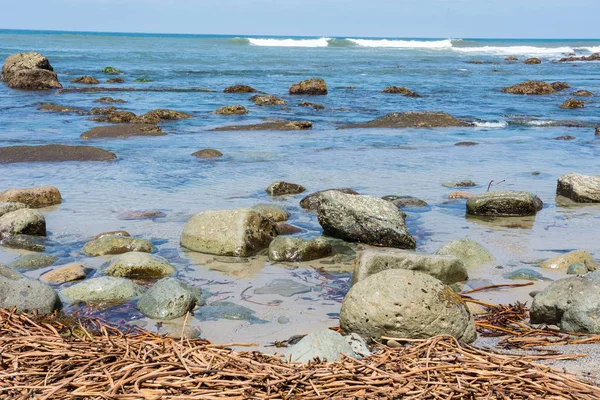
515	136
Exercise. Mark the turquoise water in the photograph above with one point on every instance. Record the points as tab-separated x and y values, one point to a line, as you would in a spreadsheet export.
160	173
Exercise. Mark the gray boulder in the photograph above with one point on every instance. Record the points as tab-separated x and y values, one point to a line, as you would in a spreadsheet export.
447	269
324	345
102	290
27	295
168	299
504	204
138	265
296	249
579	188
400	303
366	219
33	261
29	71
115	244
313	200
10	206
23	221
240	233
471	253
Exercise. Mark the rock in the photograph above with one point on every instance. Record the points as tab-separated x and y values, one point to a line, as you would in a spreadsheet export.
275	125
108	100
53	153
572	103
139	215
65	273
57	108
326	345
102	290
400	90
163	114
25	242
105	111
271	211
466	144
33	261
116	245
23	221
28	295
463	183
208	153
9	206
313	200
239	233
532	60
283	320
226	310
511	59
405	201
504	204
358	345
579	188
232	110
122	131
35	197
29	71
583	93
598	131
530	88
571	303
87	80
10	273
460	195
281	188
168	299
566	137
471	253
283	287
405	304
240	89
115	80
287	229
267	100
366	219
428	119
315	106
592	57
313	87
577	269
558	86
563	261
296	249
110	70
113	233
447	269
137	265
525	274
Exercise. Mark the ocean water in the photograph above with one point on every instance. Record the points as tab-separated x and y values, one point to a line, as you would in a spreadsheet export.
159	173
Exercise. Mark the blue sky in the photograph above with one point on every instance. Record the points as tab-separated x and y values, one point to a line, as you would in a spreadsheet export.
393	18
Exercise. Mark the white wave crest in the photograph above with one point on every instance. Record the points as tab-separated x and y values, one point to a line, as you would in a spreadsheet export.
593	49
540	122
404	44
491	124
321	42
516	50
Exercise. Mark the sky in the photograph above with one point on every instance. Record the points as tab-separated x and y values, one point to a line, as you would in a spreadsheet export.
357	18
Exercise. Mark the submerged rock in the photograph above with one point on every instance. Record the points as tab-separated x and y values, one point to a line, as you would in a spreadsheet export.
400	90
122	131
287	229
53	153
57	108
463	183
139	215
572	103
583	93
532	60
29	71
108	100
226	310
102	290
168	299
592	57
239	233
563	261
112	233
466	144
296	249
10	273
313	200
325	345
281	188
138	265
405	304
276	125
65	273
115	80
283	287
87	80
208	153
24	221
447	269
525	274
530	88
366	219
33	261
579	188
271	211
25	242
511	58
471	253
240	89
27	295
428	119
267	100
314	106
232	110
35	197
314	86
405	201
504	204
116	245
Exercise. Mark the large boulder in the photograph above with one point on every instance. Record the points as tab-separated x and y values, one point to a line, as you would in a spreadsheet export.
168	299
138	265
504	204
529	88
447	269
296	249
579	188
314	86
325	345
29	71
53	153
564	261
114	244
571	303
426	119
399	303
366	219
102	290
23	221
35	197
471	253
240	233
313	200
27	295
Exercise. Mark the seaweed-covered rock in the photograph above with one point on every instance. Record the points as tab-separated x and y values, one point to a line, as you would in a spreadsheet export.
29	71
313	200
400	90
504	204
532	60
168	299
116	245
296	249
53	153
110	70
105	289
35	197
281	188
208	153
471	253
530	88
24	221
313	87
579	188
267	100
138	265
274	125
122	131
87	80
240	89
232	110
428	119
572	103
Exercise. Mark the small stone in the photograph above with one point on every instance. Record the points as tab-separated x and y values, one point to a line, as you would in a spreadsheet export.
65	273
102	290
583	93
393	344
113	233
23	221
283	320
532	60
208	153
405	201
504	204
137	265
240	89
471	253
116	245
460	195
28	295
25	242
572	103
267	100
281	188
33	261
9	273
286	229
577	269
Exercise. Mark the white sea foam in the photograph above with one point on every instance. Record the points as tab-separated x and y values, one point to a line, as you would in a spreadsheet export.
321	42
404	44
540	122
593	49
516	50
491	124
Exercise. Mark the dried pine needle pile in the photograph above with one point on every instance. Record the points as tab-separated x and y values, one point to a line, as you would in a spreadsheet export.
48	358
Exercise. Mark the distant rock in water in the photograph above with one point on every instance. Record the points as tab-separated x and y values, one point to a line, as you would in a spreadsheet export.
558	86
111	114
108	100
405	201
281	188
29	71
314	106
53	153
240	89
277	125
122	131
565	137
592	57
511	59
466	144
428	119
400	90
267	100
583	93
313	87
57	108
87	80
232	110
572	103
530	88
208	153
532	60
115	80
